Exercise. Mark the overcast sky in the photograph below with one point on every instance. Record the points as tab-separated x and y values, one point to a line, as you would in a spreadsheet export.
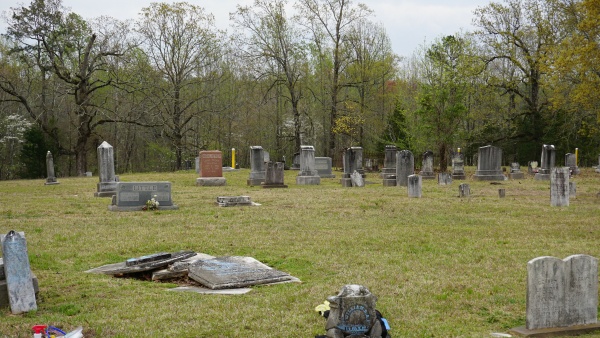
409	23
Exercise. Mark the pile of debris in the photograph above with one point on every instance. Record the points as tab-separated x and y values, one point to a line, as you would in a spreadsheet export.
202	273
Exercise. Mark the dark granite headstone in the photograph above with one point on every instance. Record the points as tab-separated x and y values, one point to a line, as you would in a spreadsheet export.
234	272
132	196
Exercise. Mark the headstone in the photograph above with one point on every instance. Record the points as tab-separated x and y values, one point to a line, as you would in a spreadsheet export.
88	174
445	178
274	175
197	163
308	175
415	186
357	179
323	165
532	167
352	314
51	178
134	196
559	187
257	166
107	187
295	162
458	166
464	190
352	162
572	189
571	162
389	162
211	169
266	156
21	293
405	166
4	298
562	296
234	272
489	164
515	171
427	166
547	162
502	193
233	201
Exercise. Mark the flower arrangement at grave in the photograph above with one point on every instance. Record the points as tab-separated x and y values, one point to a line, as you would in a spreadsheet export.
151	204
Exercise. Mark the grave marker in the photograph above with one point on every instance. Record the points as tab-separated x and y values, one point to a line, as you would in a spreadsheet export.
132	196
274	175
427	166
257	166
571	162
211	169
19	283
107	187
405	166
308	175
547	162
515	171
51	178
323	165
352	313
352	162
445	178
389	162
415	186
559	187
458	166
464	190
489	164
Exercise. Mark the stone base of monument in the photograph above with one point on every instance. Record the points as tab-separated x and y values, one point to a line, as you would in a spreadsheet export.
254	181
308	180
387	172
273	185
575	330
516	176
459	176
211	181
489	175
541	177
4	300
427	175
51	183
346	181
106	189
390	181
140	208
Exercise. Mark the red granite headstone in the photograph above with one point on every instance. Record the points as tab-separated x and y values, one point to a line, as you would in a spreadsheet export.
211	163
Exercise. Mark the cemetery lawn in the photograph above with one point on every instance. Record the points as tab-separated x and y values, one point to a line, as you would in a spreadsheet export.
440	266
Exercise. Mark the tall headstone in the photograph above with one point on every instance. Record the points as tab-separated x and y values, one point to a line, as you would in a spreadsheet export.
427	166
51	178
559	187
389	162
458	166
107	187
197	163
308	175
562	296
274	175
548	160
515	171
352	162
211	169
324	167
257	166
21	293
415	186
352	314
405	166
571	162
489	164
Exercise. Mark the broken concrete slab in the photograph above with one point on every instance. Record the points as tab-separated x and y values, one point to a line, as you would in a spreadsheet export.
195	289
234	272
232	201
122	268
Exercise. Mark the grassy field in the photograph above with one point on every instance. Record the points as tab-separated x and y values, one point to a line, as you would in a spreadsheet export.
440	266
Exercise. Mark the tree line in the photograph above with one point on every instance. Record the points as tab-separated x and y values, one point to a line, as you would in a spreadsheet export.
320	72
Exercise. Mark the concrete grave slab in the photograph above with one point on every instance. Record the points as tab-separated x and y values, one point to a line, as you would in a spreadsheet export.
123	268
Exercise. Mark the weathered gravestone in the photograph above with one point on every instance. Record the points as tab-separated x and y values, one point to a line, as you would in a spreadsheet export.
352	162
308	175
548	160
458	166
357	179
415	186
571	162
143	263
427	166
51	178
464	190
559	187
107	187
323	165
572	189
134	196
389	162
445	178
562	296
489	164
234	272
211	169
4	299
352	314
197	164
295	161
257	166
405	166
515	171
532	167
274	175
19	282
501	192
